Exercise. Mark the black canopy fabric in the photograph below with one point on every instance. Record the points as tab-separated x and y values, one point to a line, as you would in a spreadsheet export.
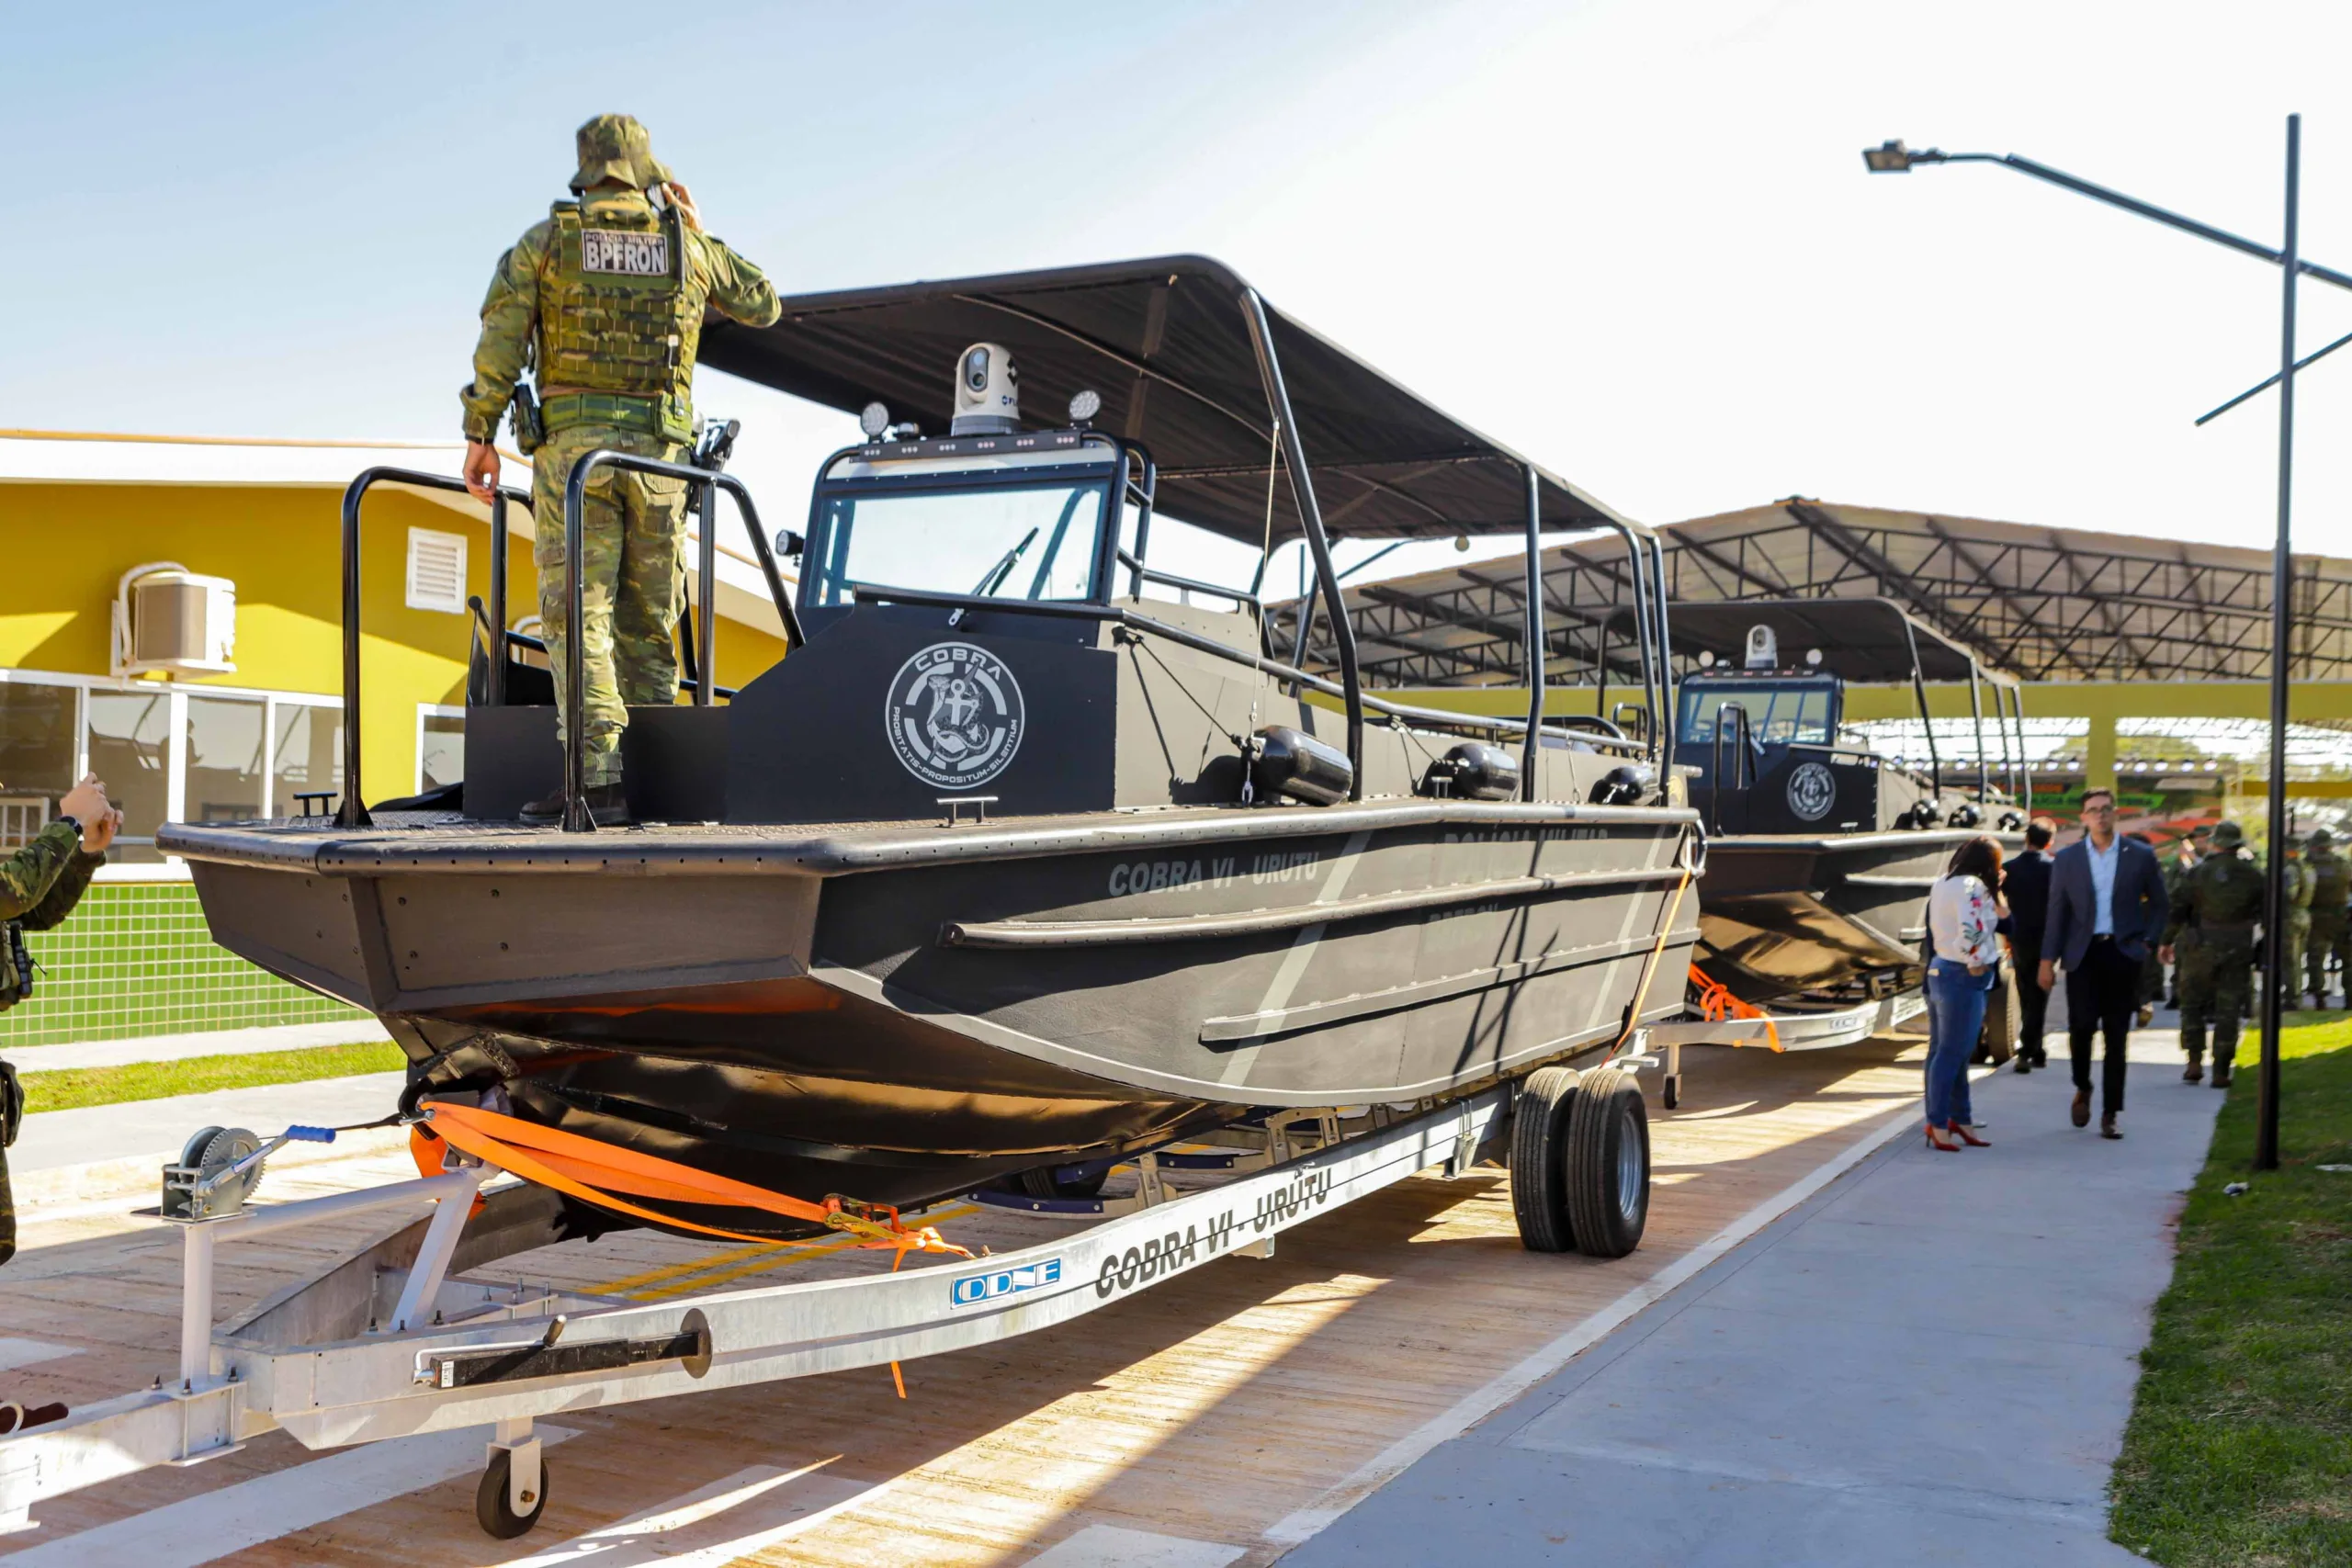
1860	640
1166	344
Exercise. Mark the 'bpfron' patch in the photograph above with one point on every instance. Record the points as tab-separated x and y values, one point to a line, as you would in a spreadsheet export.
620	251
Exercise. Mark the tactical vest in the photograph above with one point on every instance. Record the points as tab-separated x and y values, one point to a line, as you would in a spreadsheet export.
2330	881
15	966
2227	890
620	313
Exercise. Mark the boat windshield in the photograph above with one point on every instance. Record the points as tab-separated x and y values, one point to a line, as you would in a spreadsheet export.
997	541
1779	713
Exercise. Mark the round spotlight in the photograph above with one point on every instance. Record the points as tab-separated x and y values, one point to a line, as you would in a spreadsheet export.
1812	655
1706	659
1085	405
874	419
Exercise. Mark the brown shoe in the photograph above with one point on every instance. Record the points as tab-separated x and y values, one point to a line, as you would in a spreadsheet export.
2107	1128
2082	1108
2194	1072
2221	1076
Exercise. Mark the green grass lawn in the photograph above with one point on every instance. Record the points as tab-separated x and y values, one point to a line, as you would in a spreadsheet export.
73	1088
2239	1450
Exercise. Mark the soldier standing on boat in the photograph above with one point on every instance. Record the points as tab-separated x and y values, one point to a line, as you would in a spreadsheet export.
604	302
40	885
2331	882
2211	934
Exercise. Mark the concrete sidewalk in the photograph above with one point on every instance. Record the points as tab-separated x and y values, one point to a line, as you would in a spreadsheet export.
1930	1362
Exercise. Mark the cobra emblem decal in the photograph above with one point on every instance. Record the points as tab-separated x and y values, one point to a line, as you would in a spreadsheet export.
1812	790
955	715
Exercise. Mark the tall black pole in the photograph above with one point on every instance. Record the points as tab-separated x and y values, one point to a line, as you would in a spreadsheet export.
2274	906
1533	636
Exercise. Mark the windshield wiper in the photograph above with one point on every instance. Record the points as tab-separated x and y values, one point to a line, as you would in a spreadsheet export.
993	578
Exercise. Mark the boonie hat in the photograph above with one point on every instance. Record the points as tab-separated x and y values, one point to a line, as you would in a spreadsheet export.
616	147
2228	835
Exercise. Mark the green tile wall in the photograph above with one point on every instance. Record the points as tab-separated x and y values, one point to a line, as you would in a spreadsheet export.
135	959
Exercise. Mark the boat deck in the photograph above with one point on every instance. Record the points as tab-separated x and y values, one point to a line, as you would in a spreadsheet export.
1230	1410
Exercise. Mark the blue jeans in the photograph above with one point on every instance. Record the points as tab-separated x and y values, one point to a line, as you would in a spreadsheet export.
1955	1018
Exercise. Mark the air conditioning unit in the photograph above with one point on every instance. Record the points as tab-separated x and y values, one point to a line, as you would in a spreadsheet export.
168	618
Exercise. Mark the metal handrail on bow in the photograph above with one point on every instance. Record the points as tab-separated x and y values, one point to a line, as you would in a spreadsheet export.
577	818
352	812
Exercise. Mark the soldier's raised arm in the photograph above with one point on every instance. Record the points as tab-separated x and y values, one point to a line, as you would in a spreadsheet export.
738	290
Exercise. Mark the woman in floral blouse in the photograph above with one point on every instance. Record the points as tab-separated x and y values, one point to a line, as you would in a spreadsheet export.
1966	964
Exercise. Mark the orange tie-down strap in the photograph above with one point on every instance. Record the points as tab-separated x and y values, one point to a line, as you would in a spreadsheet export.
594	1172
1716	1003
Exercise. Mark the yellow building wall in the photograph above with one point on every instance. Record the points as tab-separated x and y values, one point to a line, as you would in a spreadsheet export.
70	543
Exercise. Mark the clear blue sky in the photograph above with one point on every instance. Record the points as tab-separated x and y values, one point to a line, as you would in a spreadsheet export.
1636	240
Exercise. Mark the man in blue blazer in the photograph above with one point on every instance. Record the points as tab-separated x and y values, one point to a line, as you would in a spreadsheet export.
2107	908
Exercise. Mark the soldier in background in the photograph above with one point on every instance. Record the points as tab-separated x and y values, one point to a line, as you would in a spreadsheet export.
2331	884
2212	936
2186	853
40	885
2152	968
2298	879
605	299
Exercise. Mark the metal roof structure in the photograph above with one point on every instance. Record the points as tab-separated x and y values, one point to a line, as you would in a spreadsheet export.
1166	343
2033	602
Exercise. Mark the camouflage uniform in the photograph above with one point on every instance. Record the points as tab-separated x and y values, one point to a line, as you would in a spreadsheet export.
2331	882
2212	925
40	885
2298	879
603	302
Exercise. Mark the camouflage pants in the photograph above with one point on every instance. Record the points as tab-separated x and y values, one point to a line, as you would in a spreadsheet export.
2327	938
2291	958
2215	988
632	582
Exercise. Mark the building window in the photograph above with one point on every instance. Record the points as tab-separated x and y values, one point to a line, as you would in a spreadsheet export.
308	759
39	741
440	746
131	749
437	571
226	760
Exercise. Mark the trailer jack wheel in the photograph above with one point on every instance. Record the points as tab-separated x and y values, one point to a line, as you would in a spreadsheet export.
1608	1174
1538	1146
494	1499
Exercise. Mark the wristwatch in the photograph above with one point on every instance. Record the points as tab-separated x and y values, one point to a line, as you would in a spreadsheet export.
70	820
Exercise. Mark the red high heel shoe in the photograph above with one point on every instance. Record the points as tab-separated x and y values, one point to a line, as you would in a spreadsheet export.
1966	1136
1935	1141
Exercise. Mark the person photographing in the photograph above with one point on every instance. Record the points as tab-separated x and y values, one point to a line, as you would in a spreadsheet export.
40	885
2107	908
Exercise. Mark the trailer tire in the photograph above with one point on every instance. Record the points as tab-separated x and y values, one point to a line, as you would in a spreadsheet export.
1609	1163
1540	1115
494	1510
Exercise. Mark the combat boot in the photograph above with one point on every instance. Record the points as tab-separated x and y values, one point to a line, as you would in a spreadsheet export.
2194	1071
2221	1072
608	805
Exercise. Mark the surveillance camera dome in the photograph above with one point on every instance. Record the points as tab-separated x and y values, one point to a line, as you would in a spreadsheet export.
987	392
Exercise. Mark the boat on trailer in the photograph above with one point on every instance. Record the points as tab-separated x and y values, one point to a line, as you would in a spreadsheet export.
1822	846
1009	868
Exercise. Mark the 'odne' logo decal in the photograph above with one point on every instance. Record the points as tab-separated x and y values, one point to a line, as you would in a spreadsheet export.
1812	790
955	715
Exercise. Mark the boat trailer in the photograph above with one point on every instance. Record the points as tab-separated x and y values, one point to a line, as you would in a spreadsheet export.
395	1339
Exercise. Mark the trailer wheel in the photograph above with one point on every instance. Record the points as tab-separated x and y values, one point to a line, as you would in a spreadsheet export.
1998	1042
495	1509
1539	1141
1609	1163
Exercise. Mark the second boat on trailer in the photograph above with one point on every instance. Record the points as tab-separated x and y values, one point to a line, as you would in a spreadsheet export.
1009	868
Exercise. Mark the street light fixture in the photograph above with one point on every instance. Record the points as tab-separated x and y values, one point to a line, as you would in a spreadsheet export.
1893	158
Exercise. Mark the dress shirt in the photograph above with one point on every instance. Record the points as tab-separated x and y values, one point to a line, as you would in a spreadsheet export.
2103	884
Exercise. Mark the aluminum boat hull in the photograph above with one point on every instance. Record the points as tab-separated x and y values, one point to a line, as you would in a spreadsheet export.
899	1012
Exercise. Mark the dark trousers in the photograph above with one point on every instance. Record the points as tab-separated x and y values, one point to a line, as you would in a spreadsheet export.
2102	994
2033	1002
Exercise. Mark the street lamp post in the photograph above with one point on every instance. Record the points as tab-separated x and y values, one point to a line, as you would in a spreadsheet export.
1894	158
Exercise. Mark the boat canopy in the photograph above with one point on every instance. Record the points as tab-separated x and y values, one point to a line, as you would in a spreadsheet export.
1166	343
1860	640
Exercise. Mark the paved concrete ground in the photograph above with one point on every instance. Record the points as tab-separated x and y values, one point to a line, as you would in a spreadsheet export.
1930	1362
156	1129
180	1047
